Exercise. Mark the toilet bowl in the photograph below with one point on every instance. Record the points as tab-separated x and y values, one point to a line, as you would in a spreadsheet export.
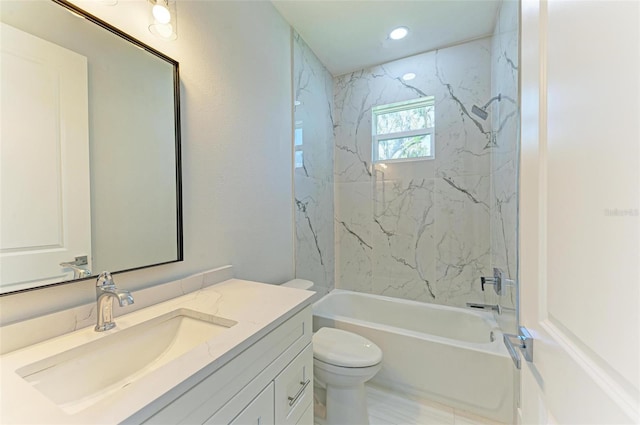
343	362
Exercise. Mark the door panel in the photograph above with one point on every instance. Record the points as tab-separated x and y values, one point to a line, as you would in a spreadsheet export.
579	220
44	142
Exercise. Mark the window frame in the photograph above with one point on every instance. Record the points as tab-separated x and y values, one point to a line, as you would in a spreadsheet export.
422	102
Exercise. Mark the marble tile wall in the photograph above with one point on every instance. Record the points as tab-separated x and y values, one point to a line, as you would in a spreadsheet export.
313	168
417	229
504	156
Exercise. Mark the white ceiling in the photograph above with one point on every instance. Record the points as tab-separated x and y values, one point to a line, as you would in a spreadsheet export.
349	35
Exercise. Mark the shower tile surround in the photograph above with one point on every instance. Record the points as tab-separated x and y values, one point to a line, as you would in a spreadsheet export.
424	230
418	229
313	172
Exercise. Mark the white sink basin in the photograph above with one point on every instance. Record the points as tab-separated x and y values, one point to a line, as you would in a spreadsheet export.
80	377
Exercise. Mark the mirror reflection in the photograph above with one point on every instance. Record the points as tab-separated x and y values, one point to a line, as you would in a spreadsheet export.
90	172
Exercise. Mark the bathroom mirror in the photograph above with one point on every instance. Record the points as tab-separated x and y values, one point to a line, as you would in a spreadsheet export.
90	148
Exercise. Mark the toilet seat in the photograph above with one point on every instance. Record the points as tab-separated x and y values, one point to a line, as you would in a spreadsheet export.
345	349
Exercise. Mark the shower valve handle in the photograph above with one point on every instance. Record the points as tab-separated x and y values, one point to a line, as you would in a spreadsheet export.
498	280
487	281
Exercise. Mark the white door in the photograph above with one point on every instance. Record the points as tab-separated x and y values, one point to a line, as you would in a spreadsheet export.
44	161
579	211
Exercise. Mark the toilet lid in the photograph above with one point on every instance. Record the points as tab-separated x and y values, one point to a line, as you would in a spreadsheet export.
346	349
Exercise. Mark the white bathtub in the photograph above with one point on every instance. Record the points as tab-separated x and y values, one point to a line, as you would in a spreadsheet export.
444	354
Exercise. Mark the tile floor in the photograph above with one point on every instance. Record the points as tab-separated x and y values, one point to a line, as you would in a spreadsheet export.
387	408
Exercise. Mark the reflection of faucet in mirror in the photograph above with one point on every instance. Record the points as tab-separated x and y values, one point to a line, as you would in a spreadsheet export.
78	272
105	292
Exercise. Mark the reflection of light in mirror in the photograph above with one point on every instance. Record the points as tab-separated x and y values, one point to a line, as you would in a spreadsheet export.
162	18
163	31
161	13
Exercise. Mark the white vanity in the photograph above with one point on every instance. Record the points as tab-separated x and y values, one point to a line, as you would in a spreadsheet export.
236	352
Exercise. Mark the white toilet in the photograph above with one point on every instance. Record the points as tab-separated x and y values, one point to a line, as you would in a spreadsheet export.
344	361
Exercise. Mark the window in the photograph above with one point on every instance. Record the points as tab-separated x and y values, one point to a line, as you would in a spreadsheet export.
404	130
297	146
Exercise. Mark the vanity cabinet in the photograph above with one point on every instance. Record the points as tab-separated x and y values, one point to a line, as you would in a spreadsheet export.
271	382
260	411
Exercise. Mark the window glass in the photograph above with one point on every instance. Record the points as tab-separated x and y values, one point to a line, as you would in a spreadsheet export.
404	130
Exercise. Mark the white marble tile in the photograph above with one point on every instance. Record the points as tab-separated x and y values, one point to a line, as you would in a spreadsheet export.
314	231
403	239
313	178
354	245
504	159
463	140
387	217
462	238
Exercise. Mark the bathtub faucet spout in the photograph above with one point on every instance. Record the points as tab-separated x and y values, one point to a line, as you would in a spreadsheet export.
494	307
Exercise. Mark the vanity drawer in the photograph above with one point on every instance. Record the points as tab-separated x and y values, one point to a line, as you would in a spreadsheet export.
294	388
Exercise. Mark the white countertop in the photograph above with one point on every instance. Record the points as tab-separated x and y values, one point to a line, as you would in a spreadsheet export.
258	308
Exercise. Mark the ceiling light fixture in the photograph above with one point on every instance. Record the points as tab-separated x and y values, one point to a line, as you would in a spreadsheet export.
399	33
163	19
409	76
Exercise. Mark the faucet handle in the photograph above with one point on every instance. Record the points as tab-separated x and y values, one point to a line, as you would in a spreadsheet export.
105	279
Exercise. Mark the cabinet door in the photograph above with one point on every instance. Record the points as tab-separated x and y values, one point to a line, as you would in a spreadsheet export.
258	412
307	416
294	388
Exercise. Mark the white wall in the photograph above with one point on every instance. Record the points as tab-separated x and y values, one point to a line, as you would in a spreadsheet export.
235	66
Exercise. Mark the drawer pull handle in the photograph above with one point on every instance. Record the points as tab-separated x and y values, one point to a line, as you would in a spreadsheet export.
292	400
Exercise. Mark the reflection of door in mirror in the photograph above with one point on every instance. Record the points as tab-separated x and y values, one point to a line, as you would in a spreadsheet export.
44	160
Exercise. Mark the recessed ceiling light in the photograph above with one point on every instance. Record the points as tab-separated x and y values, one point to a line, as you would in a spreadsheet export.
399	33
409	76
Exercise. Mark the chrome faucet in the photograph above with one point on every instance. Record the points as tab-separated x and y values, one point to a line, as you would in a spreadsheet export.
106	291
494	307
